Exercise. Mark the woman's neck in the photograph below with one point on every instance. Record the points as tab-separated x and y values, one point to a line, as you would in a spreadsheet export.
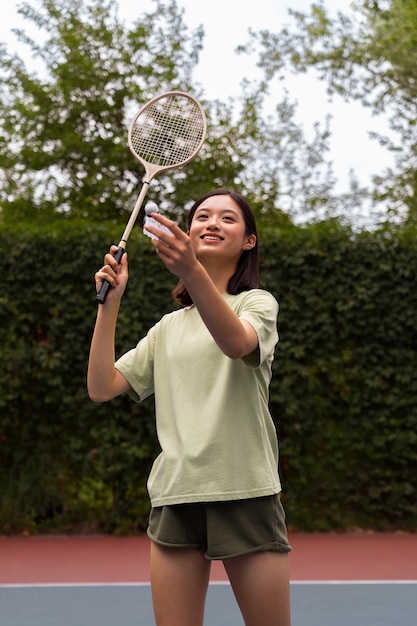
219	274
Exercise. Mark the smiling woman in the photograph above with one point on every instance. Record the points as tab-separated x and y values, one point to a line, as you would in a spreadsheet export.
215	487
215	215
218	224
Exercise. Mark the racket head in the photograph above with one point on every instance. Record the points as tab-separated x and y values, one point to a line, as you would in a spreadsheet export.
167	132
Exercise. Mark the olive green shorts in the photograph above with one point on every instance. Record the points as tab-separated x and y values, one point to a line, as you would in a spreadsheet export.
222	530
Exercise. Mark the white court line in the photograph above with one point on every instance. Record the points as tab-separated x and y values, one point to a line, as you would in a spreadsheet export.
60	585
212	583
354	582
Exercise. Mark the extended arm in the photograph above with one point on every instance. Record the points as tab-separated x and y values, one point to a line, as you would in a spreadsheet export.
235	337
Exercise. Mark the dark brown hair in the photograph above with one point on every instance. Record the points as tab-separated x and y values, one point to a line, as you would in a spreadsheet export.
246	275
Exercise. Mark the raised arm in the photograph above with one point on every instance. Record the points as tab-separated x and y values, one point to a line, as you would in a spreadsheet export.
235	337
104	382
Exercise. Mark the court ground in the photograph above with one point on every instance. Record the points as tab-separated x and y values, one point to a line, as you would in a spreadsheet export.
336	580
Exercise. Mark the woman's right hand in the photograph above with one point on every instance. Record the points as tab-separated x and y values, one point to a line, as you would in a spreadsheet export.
115	273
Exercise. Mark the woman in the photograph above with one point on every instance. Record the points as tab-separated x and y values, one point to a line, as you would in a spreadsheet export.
214	488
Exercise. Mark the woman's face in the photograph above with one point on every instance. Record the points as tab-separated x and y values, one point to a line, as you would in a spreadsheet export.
218	230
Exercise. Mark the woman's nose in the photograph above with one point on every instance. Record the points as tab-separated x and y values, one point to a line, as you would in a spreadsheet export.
213	222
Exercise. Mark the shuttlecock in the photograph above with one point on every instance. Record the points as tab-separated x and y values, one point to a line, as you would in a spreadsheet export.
151	207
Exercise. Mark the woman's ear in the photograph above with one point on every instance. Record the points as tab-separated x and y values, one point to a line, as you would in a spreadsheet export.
250	242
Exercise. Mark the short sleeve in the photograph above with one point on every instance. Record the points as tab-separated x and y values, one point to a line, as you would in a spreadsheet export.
137	366
260	309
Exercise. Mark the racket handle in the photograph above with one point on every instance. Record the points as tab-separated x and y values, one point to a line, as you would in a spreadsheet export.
102	294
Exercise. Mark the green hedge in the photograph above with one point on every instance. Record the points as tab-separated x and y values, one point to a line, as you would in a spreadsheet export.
343	394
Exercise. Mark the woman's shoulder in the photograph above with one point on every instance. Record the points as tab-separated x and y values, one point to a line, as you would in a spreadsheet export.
177	316
258	296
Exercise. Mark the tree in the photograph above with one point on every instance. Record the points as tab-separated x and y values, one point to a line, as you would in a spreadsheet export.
63	128
68	125
369	55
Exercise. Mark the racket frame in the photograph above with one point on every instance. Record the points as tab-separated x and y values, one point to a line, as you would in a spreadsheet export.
151	170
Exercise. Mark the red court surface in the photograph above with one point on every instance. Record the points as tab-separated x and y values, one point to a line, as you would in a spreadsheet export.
103	559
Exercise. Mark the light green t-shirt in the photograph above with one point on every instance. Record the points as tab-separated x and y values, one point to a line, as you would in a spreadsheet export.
216	434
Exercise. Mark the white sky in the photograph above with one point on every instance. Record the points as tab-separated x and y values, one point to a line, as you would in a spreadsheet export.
220	71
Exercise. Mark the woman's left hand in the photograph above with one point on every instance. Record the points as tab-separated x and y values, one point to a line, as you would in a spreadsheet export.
173	248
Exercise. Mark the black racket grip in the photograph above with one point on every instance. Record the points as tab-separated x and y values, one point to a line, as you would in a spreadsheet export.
102	294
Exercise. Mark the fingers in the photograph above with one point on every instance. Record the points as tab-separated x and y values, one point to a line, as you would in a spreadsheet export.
111	267
157	225
172	245
110	257
112	271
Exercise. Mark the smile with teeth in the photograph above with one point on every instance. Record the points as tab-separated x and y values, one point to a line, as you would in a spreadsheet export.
212	237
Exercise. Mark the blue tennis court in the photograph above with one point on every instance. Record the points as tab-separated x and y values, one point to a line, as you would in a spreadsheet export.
103	581
342	604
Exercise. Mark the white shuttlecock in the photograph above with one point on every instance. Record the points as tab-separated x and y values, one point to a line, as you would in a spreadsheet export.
151	207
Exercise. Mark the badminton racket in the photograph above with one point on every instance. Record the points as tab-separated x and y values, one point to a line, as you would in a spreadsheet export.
166	133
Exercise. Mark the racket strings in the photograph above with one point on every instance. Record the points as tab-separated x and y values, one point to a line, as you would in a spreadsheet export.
168	132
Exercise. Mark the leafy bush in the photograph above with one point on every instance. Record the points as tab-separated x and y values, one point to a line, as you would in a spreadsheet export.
343	394
345	387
